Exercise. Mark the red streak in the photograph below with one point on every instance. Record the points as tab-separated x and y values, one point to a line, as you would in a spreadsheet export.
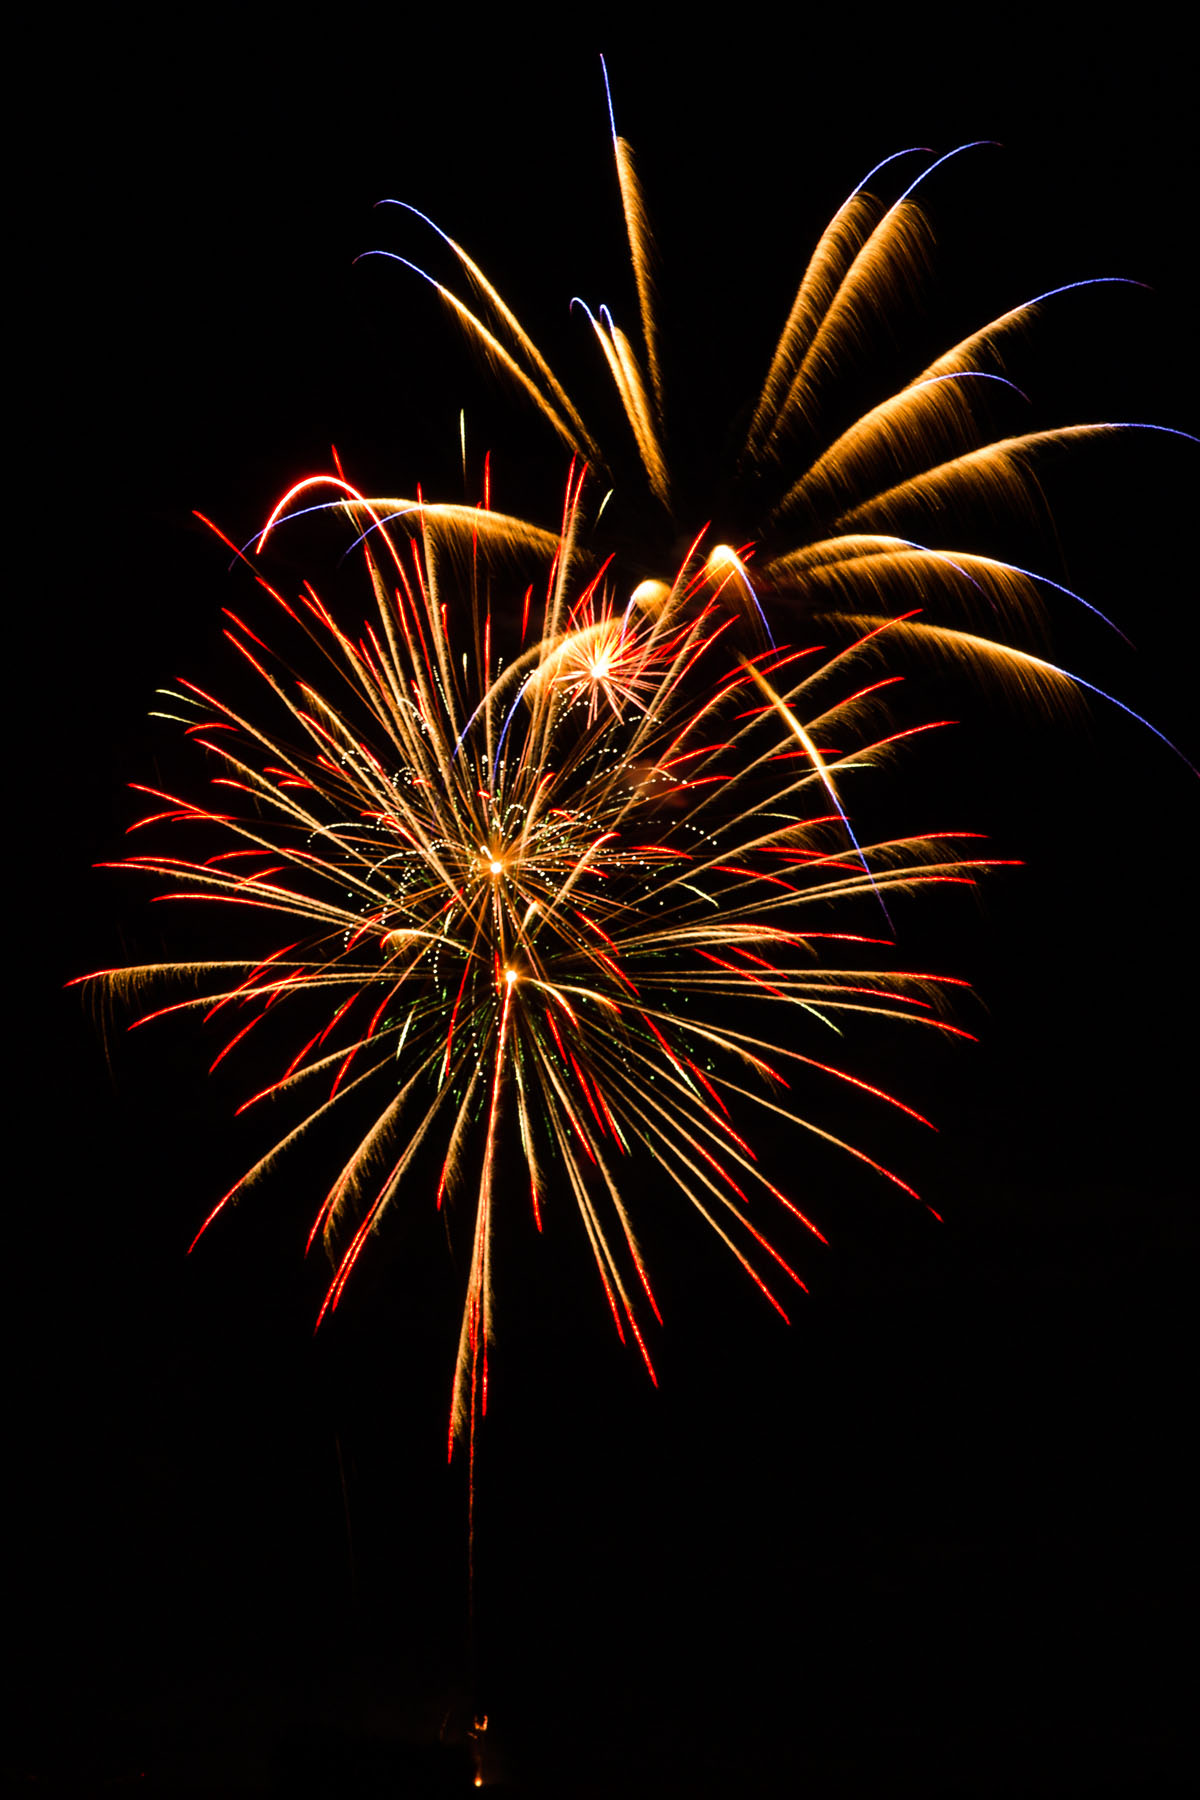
236	1039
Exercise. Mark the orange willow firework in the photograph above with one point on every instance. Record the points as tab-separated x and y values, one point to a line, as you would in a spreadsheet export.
539	898
841	515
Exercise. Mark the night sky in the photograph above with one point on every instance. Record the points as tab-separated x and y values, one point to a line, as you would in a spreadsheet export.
928	1540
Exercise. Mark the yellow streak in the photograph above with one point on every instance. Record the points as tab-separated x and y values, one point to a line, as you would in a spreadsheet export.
978	583
574	434
640	251
841	240
967	352
622	366
1030	674
788	716
520	336
927	418
999	467
893	252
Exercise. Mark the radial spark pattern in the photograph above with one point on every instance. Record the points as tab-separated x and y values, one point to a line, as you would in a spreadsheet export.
540	890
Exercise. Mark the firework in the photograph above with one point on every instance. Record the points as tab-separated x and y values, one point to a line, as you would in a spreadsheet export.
845	518
536	885
542	850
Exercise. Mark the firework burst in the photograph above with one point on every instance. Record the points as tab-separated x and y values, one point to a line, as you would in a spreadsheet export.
846	518
538	892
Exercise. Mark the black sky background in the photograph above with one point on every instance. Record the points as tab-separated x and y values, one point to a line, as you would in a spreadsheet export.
931	1539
